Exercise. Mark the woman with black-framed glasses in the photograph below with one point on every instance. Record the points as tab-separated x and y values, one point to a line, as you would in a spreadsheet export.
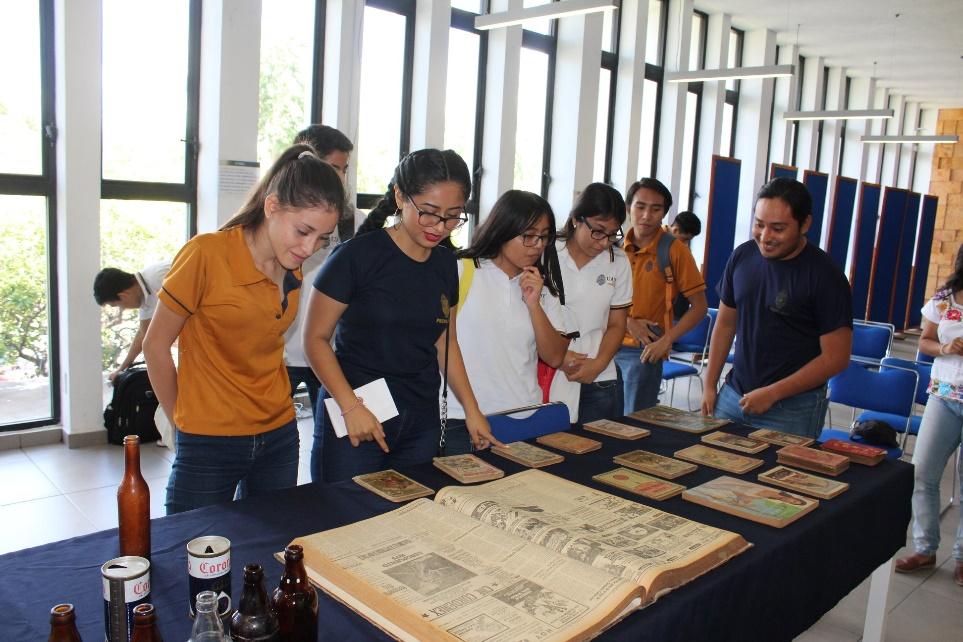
598	288
387	297
511	313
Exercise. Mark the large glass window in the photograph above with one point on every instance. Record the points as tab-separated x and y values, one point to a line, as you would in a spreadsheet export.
461	93
697	42
725	145
538	26
689	143
648	128
28	347
655	33
530	131
602	125
144	80
382	108
287	69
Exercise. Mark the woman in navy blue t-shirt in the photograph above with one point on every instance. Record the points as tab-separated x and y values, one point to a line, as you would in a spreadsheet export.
387	296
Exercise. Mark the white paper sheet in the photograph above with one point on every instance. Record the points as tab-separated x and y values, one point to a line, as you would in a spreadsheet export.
377	398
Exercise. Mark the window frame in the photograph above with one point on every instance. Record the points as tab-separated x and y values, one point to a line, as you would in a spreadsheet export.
547	44
656	73
465	21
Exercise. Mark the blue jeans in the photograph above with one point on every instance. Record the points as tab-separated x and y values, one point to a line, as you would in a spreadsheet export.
940	433
209	470
803	414
601	400
412	439
642	381
304	374
457	438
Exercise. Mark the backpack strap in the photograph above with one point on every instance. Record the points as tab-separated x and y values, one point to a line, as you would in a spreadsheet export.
665	266
464	280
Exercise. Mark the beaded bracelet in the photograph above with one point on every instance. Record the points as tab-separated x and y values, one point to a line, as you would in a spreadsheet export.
357	405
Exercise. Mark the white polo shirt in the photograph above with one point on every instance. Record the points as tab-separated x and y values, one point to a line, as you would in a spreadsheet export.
497	341
150	280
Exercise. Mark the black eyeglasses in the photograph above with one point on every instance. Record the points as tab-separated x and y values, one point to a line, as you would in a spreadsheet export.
430	219
614	238
531	240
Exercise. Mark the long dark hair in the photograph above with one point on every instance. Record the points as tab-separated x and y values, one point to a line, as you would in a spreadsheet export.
299	179
955	282
597	200
514	212
415	173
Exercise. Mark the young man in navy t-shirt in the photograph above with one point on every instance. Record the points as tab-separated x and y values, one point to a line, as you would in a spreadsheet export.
792	311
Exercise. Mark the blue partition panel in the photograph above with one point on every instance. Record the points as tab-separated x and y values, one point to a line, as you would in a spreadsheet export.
904	262
921	264
841	220
861	267
887	252
720	222
782	171
818	184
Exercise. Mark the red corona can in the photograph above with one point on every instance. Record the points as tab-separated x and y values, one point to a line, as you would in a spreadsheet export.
126	583
209	569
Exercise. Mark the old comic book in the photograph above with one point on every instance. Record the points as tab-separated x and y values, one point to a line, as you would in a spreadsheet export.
669	417
751	501
530	556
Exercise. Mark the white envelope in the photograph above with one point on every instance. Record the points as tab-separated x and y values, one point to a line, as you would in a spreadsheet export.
377	398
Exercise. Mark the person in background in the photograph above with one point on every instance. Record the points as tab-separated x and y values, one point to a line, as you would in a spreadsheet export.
942	428
685	227
512	310
650	329
228	299
127	291
334	148
388	297
598	292
790	308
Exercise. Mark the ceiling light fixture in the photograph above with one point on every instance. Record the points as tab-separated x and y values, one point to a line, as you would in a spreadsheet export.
732	73
561	9
839	114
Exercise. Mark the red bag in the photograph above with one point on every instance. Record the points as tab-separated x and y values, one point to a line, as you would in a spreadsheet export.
545	375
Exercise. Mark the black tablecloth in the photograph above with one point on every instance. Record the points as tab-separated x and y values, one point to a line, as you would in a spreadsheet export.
774	591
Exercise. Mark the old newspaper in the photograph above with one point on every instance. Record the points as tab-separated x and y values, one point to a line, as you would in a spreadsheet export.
527	557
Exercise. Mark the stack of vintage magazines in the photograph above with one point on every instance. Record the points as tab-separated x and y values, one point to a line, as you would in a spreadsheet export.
569	443
616	429
526	454
467	469
530	556
818	461
751	501
859	453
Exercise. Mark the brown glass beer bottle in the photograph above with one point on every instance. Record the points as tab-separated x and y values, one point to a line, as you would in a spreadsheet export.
145	624
254	620
295	600
133	504
63	627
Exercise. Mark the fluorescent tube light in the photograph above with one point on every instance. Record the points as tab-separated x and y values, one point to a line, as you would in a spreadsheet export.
910	139
839	114
733	73
551	10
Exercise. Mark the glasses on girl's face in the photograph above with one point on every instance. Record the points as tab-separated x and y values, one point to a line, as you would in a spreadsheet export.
531	240
614	238
430	219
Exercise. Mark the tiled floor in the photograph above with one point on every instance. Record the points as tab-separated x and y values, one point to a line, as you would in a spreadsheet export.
52	493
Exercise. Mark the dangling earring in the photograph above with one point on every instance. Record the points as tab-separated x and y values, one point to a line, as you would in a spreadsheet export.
397	224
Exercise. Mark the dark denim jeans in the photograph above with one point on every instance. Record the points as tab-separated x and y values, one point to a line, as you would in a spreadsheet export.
803	414
642	381
601	400
209	470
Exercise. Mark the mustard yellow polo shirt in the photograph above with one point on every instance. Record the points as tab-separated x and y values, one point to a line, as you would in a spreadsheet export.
231	379
648	281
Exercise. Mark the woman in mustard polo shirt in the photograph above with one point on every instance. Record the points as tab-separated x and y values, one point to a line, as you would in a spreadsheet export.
228	298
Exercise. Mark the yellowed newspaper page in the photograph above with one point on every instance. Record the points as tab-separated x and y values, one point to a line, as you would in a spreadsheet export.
426	572
655	549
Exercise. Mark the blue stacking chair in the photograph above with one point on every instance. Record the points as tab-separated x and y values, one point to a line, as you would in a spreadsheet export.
896	421
696	343
871	341
923	358
890	390
529	422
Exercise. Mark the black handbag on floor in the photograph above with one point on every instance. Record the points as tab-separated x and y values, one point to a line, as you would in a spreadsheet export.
131	409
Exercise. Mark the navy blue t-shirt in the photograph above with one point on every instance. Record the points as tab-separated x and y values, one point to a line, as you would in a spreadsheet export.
397	310
783	308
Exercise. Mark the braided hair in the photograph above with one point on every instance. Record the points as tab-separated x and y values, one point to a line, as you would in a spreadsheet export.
514	212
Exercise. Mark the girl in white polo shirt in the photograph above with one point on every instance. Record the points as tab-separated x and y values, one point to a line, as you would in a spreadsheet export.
511	314
598	292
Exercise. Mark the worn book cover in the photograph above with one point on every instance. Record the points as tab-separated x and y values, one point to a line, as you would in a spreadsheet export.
639	483
819	461
803	482
781	438
720	459
393	486
669	417
735	442
859	453
654	464
616	429
751	501
530	556
526	454
468	469
569	443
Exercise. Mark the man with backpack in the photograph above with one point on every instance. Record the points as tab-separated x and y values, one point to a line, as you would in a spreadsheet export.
662	269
